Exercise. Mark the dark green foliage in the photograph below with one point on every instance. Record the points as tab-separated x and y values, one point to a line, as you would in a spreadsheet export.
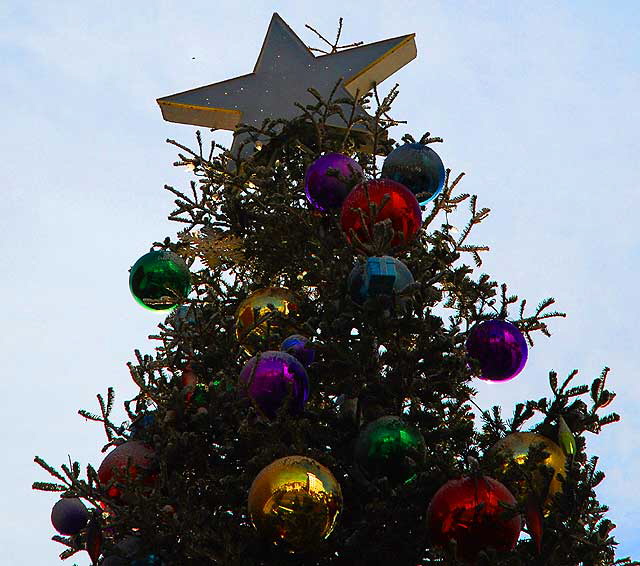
380	358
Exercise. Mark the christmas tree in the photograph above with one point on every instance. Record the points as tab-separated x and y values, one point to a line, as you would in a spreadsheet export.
311	397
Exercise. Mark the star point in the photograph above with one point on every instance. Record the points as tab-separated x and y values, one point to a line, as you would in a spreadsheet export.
283	73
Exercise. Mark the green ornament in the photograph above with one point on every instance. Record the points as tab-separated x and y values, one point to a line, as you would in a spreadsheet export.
392	448
565	438
160	280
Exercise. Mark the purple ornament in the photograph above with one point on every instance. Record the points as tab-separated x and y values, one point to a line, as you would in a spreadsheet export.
325	190
300	348
278	379
499	347
69	516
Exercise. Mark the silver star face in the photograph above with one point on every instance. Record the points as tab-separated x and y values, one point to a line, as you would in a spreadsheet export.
285	69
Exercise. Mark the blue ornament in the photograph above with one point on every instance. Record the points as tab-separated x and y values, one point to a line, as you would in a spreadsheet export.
149	560
379	276
300	348
69	516
142	423
184	314
418	168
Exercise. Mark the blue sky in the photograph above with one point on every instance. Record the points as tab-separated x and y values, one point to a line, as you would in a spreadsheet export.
537	103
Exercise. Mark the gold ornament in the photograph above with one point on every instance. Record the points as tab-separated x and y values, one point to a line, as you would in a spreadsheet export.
258	316
515	448
295	502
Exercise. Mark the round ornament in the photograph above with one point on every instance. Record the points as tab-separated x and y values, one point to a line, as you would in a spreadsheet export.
379	275
514	449
274	379
402	210
295	502
300	348
133	457
254	321
499	347
470	512
418	168
142	424
69	516
159	280
329	179
392	448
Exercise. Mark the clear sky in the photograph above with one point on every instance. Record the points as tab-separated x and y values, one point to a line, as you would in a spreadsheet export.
538	103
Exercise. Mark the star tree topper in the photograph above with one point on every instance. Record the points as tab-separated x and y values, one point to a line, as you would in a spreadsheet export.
285	69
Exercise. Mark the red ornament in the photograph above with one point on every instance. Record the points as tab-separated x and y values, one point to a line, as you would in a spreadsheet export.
469	512
189	377
402	209
134	453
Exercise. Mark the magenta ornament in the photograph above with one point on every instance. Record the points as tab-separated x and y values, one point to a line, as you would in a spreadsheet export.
329	179
500	349
273	380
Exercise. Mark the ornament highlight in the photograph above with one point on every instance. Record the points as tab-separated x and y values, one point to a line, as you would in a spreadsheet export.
133	457
273	380
514	450
401	210
329	179
418	168
69	516
499	347
392	448
379	276
255	320
471	512
159	280
300	348
294	502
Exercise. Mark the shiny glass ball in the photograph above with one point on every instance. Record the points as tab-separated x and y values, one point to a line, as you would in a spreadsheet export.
255	322
418	168
470	512
134	457
513	450
273	380
402	210
69	516
159	280
499	347
300	348
295	502
392	448
326	190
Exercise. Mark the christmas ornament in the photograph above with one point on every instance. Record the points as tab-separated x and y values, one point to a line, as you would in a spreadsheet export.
418	168
255	320
392	448
133	457
513	450
282	76
142	423
499	347
379	275
300	348
94	540
402	210
189	377
159	280
198	395
69	516
182	317
295	502
565	438
274	379
330	178
471	512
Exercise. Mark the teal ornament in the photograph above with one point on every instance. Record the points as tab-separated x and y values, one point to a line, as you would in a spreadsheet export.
392	448
383	275
418	168
160	280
